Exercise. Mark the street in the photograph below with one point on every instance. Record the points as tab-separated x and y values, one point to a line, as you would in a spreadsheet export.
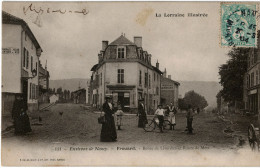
71	124
69	133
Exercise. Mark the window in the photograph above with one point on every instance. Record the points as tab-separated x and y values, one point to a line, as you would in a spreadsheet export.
140	78
121	52
252	79
30	96
157	90
249	82
149	81
256	77
153	76
32	46
24	57
31	63
25	37
120	76
145	80
101	79
27	59
36	67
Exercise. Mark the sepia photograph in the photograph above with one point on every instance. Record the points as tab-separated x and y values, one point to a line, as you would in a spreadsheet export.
130	84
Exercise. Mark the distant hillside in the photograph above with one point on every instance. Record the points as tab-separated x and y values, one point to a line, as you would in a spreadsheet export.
207	89
69	84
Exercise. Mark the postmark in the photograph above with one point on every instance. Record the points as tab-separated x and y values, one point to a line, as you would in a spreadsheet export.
238	25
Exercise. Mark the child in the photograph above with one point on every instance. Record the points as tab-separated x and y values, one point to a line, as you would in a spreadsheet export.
160	115
119	113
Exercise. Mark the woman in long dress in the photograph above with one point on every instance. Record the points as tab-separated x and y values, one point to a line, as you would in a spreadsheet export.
142	115
172	111
108	131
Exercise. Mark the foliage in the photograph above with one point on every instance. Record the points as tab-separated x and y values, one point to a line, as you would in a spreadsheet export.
195	100
232	75
182	104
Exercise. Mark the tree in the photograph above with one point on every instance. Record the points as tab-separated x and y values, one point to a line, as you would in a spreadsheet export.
232	75
182	104
195	100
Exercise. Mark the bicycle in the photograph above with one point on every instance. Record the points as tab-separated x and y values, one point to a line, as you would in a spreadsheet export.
151	124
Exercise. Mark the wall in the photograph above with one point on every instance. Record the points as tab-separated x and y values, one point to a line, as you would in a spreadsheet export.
130	68
11	37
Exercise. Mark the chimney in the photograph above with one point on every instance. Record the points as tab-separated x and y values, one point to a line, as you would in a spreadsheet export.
138	41
157	64
169	77
164	73
104	45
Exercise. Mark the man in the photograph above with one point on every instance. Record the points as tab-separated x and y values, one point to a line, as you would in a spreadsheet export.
172	111
160	115
108	131
190	114
141	113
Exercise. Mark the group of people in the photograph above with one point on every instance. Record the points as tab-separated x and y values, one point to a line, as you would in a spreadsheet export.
160	113
19	115
108	131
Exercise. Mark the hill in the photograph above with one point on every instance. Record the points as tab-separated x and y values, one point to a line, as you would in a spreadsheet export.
207	89
69	84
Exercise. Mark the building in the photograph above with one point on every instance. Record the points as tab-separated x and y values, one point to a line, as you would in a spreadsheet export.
125	72
252	80
44	77
169	90
20	63
54	98
79	96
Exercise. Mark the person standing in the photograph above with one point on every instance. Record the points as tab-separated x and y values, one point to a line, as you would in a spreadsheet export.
160	115
172	111
20	117
119	114
108	131
141	113
190	114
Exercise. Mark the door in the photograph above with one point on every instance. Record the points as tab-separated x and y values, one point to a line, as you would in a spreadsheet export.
25	89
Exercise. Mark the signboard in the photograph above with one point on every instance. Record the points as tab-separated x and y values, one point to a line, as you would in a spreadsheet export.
167	87
252	91
10	50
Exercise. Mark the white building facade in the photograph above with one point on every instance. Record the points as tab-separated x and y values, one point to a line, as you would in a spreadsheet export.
125	72
20	61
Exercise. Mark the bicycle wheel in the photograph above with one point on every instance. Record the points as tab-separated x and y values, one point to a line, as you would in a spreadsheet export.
150	126
252	137
166	125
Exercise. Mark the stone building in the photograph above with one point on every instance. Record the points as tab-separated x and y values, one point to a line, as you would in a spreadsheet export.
20	61
125	72
44	77
79	96
169	90
252	80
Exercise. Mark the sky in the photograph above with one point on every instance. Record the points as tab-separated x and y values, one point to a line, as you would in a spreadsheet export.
188	47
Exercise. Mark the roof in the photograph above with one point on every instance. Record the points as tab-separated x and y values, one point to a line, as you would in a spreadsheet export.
10	19
94	67
177	83
79	90
122	40
157	70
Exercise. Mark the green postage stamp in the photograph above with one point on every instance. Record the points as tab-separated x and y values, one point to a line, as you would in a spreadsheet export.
238	25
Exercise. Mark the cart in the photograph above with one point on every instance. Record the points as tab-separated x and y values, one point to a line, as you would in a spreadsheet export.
254	137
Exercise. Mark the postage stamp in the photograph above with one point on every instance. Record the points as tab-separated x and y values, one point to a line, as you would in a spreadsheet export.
238	25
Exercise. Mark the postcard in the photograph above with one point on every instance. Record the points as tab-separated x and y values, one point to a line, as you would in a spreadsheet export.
130	84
